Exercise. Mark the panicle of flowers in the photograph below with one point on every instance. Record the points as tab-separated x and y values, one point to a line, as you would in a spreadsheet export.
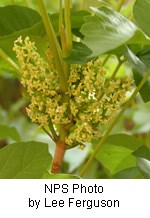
93	100
40	80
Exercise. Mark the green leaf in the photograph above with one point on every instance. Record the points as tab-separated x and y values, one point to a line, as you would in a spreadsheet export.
78	19
109	30
18	21
139	70
142	152
129	173
144	56
7	132
116	153
33	28
79	54
143	160
24	160
59	176
14	18
17	18
144	167
141	11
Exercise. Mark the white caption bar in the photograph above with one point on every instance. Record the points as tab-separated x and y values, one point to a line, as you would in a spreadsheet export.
74	198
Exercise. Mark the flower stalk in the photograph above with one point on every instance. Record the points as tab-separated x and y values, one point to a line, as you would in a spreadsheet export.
120	62
62	30
54	45
58	157
68	25
8	60
66	46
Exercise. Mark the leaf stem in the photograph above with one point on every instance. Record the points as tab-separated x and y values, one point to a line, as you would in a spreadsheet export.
68	25
87	165
106	59
8	60
54	134
82	5
54	45
63	41
48	134
120	4
120	62
62	29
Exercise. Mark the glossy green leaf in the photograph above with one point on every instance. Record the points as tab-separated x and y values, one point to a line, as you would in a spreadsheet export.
144	56
139	70
142	152
144	167
24	160
59	176
109	30
116	153
79	54
7	132
141	11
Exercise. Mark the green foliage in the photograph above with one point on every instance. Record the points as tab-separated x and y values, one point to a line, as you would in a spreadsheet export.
143	160
144	167
27	22
108	30
141	11
9	132
79	54
15	14
24	160
129	173
143	152
144	55
116	153
139	70
16	21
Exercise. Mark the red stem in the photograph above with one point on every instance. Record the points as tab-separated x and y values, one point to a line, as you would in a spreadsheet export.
58	157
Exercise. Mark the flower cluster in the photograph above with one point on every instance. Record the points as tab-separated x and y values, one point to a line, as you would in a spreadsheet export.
42	85
93	100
